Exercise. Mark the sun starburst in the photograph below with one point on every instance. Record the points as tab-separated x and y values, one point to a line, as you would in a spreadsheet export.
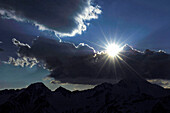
113	50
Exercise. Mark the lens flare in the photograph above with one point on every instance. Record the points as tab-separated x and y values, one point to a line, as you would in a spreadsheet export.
113	50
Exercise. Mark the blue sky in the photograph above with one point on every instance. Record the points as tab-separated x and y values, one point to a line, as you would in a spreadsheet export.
142	24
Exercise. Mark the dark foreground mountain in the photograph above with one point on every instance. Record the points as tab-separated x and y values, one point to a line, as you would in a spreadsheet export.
127	96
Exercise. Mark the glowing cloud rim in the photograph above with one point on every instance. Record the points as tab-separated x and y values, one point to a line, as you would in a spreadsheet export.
89	13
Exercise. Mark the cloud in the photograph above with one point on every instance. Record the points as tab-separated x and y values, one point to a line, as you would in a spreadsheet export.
127	49
23	61
53	52
18	43
1	48
81	64
161	82
64	17
66	62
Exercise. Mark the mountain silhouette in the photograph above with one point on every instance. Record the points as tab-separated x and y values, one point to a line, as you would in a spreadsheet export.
130	95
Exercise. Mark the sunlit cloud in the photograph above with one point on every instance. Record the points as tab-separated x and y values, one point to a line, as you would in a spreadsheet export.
10	14
81	64
162	82
23	61
73	21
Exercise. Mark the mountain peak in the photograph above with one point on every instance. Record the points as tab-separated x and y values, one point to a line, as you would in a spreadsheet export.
141	86
105	85
37	86
63	91
126	95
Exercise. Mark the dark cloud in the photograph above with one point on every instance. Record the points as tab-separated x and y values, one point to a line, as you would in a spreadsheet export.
53	52
1	49
82	65
149	64
68	63
24	32
66	17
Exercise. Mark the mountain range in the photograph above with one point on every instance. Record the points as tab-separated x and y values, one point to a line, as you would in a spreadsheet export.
129	95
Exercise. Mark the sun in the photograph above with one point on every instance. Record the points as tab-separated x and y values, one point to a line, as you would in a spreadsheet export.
113	50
